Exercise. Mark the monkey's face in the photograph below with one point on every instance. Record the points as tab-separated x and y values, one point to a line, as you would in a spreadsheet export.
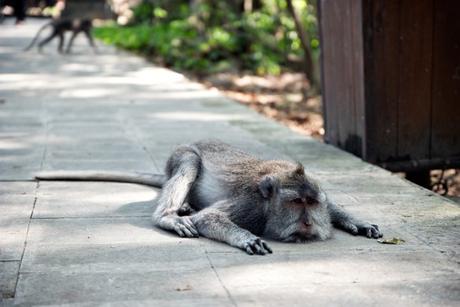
300	210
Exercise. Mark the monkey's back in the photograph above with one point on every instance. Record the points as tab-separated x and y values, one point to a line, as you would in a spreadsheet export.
221	169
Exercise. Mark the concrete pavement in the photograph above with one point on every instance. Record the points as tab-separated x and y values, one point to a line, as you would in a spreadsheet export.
93	243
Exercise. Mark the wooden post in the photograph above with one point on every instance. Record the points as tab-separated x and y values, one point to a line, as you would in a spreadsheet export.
391	80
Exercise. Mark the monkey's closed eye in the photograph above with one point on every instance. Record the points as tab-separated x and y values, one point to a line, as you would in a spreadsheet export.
298	201
302	201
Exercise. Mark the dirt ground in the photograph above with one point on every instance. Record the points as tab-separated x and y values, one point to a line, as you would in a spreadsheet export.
282	98
285	99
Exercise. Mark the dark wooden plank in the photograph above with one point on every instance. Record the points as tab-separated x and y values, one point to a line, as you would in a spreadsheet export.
415	79
345	76
357	67
356	140
329	12
381	26
324	30
445	125
342	67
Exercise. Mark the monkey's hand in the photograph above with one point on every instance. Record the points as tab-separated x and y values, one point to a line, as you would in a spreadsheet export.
183	225
255	245
350	224
362	228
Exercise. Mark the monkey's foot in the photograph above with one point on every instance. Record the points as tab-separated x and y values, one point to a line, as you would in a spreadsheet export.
363	229
256	246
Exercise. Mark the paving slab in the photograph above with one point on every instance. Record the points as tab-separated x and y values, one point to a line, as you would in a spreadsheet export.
17	200
92	243
94	199
111	260
9	271
360	279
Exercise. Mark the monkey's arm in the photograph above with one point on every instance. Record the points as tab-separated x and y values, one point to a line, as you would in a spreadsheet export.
343	220
215	224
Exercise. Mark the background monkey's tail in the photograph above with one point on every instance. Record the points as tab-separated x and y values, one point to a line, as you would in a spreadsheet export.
154	180
37	35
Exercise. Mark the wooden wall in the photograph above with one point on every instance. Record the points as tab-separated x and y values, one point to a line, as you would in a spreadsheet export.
391	80
86	9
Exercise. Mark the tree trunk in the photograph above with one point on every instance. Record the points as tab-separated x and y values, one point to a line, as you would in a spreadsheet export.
247	6
305	41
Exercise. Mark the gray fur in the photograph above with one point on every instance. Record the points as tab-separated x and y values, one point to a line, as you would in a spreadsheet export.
222	193
238	198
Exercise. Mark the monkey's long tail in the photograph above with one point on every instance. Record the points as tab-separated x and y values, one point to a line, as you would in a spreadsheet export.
37	36
154	180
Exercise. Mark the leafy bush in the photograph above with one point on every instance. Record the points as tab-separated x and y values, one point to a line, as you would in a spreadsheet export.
214	37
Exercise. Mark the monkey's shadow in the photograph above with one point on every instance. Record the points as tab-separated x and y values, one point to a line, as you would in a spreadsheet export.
140	209
137	213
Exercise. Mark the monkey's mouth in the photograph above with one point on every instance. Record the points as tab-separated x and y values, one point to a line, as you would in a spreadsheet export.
300	237
305	232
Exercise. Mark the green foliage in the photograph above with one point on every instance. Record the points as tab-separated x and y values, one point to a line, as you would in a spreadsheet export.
215	36
143	13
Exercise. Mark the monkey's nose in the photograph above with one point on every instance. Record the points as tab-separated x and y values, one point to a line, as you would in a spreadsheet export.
322	197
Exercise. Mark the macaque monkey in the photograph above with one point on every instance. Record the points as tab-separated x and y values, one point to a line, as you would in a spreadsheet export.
58	29
214	190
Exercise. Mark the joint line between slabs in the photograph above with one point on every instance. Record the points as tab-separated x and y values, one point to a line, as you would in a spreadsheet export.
229	295
26	238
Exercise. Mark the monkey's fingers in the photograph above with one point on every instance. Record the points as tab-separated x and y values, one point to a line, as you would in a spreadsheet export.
259	249
180	230
376	233
190	226
185	230
351	228
249	250
257	246
370	231
267	248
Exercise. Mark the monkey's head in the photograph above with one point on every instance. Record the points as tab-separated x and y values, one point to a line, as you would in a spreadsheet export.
297	206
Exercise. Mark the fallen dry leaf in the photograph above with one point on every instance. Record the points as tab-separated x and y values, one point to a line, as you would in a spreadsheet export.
391	241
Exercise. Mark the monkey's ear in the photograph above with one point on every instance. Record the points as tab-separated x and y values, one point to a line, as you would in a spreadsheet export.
299	169
268	186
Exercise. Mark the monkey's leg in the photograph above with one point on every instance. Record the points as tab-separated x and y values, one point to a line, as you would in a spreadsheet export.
46	40
91	41
61	42
343	220
215	224
174	193
69	46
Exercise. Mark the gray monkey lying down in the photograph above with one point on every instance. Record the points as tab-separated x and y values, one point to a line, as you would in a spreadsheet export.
220	192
